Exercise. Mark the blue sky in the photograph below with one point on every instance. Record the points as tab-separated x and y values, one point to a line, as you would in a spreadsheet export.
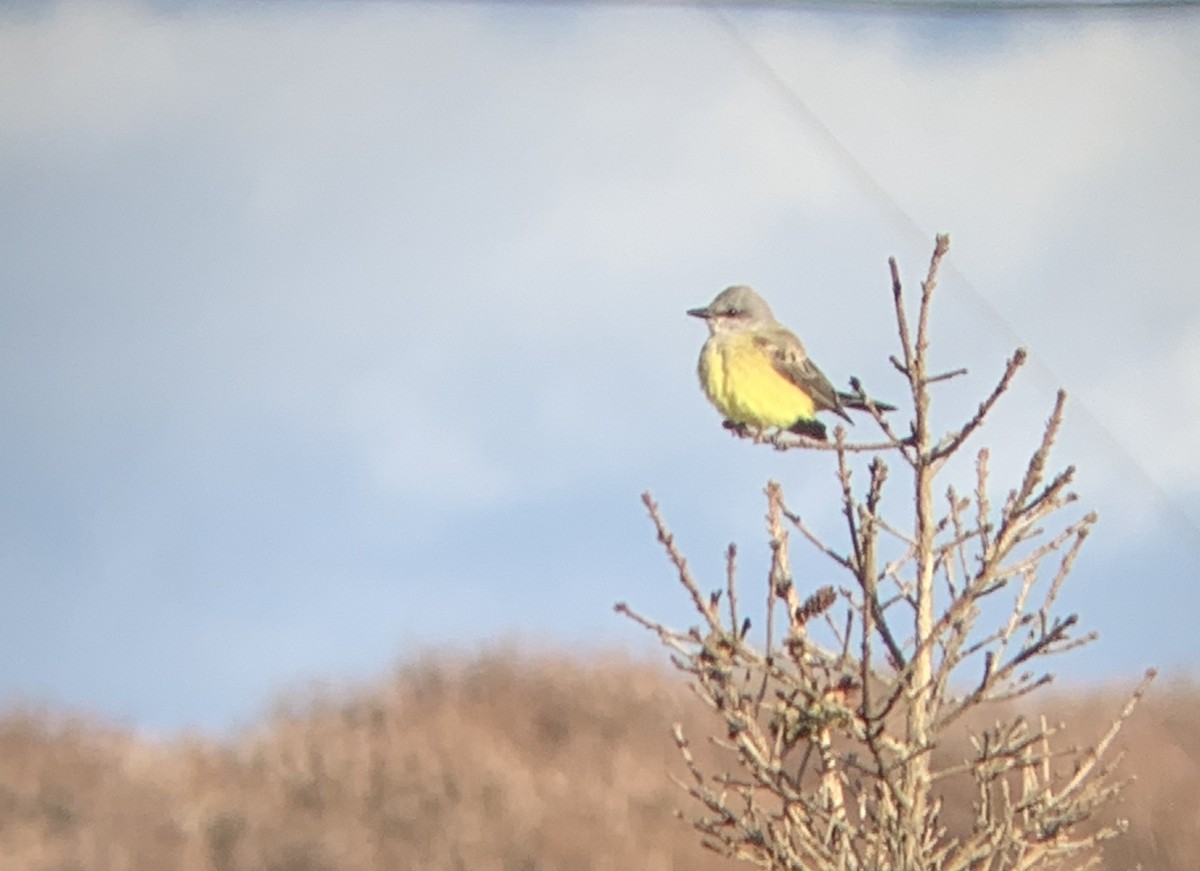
330	334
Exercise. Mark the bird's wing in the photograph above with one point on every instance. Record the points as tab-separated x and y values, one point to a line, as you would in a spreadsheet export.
791	361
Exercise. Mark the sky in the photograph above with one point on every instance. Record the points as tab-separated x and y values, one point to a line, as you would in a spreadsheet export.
334	334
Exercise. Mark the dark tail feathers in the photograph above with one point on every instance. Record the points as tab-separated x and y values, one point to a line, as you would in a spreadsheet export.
859	402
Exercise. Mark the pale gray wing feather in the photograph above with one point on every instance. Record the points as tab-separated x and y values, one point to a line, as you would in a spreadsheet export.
790	360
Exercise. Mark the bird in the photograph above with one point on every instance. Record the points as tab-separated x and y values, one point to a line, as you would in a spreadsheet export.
757	373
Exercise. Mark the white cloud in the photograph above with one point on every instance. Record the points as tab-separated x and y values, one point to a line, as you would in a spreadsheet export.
1154	397
1058	164
410	179
438	256
993	141
96	69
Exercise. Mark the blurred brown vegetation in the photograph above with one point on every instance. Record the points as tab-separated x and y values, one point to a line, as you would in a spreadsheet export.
501	762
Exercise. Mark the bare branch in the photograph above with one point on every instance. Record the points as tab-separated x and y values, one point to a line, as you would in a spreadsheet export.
832	751
731	586
954	442
946	376
1097	752
667	540
940	248
906	345
816	542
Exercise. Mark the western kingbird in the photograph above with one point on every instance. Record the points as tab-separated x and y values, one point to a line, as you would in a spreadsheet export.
757	373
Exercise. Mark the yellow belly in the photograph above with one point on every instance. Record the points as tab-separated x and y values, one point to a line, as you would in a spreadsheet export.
741	382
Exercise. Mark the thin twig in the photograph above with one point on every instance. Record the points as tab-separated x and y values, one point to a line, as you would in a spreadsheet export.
1015	362
667	540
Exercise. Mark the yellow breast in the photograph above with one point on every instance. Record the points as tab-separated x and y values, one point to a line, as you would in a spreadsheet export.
740	381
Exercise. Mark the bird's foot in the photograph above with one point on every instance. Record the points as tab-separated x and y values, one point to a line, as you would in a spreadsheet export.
741	430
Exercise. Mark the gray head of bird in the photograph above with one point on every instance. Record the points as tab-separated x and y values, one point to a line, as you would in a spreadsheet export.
735	308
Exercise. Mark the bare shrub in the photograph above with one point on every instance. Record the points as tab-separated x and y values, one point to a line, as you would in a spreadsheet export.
835	719
575	777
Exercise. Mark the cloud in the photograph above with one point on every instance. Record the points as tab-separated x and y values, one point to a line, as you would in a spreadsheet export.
1155	401
1057	164
331	291
993	140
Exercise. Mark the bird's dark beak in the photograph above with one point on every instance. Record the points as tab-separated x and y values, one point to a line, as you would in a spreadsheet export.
699	312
